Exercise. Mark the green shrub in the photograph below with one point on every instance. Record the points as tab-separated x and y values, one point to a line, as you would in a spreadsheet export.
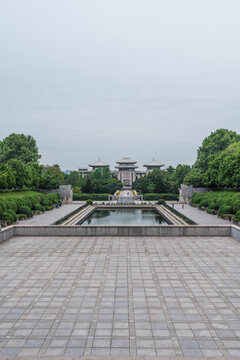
7	217
237	216
212	205
235	203
46	202
225	202
89	202
25	210
2	205
15	201
210	211
224	209
11	205
203	203
22	216
48	208
196	198
14	215
37	207
161	201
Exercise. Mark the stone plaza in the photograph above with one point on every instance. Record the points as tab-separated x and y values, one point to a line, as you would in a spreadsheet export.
118	296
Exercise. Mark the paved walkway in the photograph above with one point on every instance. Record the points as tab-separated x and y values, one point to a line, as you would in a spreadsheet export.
198	216
138	296
50	217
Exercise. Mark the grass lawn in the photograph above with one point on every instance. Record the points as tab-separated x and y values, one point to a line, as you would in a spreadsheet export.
17	194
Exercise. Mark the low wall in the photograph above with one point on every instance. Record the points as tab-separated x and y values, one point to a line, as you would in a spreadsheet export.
165	231
235	233
7	233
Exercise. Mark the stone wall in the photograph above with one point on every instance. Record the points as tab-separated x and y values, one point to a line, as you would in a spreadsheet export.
171	230
65	192
186	192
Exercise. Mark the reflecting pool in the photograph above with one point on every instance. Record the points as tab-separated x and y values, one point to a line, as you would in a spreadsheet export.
124	216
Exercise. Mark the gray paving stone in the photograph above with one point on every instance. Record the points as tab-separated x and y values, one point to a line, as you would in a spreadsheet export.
8	351
200	217
192	352
80	296
74	351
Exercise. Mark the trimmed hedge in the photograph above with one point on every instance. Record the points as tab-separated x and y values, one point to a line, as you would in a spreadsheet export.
237	216
21	216
13	207
156	197
26	210
224	203
7	217
104	197
96	197
14	215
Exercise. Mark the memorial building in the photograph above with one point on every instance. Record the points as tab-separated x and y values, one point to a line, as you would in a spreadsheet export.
126	169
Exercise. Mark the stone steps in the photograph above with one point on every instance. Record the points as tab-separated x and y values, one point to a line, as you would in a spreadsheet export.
80	216
174	219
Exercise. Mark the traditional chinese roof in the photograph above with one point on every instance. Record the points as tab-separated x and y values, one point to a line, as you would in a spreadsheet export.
98	164
126	160
153	163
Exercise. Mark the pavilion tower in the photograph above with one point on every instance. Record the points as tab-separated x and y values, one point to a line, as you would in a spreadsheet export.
152	165
98	165
126	171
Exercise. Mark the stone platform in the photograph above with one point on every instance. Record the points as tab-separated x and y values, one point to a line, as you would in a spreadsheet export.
105	296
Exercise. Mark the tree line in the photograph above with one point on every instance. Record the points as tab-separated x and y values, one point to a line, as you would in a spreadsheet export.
218	161
162	181
97	182
217	166
20	168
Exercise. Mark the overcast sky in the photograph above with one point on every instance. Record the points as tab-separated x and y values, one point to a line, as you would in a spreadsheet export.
114	78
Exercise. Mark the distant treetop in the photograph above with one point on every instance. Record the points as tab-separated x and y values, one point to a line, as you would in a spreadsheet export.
19	146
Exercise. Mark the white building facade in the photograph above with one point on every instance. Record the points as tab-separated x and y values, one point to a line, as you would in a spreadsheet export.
126	170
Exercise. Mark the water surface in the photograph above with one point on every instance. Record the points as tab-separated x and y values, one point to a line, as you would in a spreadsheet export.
124	217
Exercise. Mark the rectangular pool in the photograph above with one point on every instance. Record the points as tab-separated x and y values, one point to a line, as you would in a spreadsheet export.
123	217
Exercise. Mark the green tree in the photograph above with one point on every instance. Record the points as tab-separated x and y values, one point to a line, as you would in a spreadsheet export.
51	178
34	171
87	187
156	181
7	178
170	170
176	177
212	145
101	181
205	171
194	177
224	169
19	146
74	178
141	184
20	172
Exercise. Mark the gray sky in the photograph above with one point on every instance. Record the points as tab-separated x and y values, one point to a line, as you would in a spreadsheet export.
113	78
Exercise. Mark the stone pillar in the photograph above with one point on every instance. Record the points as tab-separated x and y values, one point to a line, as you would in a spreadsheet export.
185	194
66	193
